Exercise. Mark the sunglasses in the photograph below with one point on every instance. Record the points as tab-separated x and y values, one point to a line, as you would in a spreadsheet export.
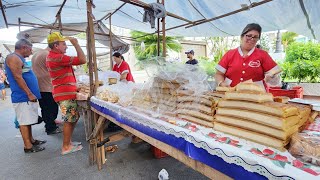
250	37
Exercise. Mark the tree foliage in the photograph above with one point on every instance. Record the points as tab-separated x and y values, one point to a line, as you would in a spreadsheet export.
302	62
150	42
288	38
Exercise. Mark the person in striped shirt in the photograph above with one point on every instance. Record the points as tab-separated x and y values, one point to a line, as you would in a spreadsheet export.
64	84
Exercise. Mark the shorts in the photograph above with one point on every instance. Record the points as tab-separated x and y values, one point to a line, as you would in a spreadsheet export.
26	112
2	86
69	110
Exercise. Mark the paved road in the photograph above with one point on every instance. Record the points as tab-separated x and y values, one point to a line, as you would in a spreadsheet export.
131	161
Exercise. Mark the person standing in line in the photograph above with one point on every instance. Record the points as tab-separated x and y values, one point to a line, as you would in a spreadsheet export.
25	93
49	108
64	85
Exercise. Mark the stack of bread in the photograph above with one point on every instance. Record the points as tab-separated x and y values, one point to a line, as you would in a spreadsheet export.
304	113
164	93
250	113
160	96
142	99
83	88
197	108
109	96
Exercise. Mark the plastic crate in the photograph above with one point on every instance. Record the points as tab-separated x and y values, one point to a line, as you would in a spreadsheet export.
158	153
295	92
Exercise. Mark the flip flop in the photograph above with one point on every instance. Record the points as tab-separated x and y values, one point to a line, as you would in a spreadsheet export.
72	150
75	143
38	142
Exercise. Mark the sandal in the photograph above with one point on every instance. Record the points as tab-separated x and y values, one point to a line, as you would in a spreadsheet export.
38	142
34	149
72	150
111	148
75	143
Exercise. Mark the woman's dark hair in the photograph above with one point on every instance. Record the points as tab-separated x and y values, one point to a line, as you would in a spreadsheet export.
117	54
250	27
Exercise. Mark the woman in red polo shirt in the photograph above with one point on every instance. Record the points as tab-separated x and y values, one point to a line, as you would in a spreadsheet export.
122	67
246	62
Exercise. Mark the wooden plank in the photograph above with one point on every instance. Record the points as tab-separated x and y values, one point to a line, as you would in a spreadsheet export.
164	43
103	153
4	14
111	49
97	139
173	152
98	125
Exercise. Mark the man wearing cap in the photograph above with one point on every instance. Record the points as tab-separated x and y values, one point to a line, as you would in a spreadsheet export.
190	55
64	84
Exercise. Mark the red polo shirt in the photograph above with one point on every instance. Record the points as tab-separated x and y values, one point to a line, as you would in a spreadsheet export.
123	67
62	76
238	68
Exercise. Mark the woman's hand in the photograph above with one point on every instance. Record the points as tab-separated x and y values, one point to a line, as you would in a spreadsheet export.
223	84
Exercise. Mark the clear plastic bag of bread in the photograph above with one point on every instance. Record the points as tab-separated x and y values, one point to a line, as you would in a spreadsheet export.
306	148
168	82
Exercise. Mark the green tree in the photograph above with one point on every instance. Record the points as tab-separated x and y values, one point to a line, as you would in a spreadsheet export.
288	38
220	45
302	62
150	42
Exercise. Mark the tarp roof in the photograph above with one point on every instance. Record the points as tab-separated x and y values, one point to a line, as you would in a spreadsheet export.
38	35
300	16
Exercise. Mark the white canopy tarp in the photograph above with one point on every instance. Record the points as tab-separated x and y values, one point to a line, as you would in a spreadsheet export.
38	35
300	16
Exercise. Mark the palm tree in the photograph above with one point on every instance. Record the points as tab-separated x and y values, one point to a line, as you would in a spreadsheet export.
288	38
150	41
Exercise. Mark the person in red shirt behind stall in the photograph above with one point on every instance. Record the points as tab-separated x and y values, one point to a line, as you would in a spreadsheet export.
247	62
122	67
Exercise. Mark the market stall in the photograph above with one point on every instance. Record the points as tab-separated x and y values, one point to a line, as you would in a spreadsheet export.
188	124
239	136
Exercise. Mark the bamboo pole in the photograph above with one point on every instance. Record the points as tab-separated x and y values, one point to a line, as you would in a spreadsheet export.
158	34
92	47
60	23
19	22
4	14
164	44
110	14
110	37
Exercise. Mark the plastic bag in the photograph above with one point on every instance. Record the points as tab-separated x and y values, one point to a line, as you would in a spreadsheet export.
306	148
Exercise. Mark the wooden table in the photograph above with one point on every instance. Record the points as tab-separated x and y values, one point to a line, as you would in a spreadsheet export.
173	152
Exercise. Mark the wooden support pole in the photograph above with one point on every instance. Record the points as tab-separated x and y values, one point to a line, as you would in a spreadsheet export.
19	22
60	23
7	48
110	37
158	34
164	43
4	14
110	14
92	48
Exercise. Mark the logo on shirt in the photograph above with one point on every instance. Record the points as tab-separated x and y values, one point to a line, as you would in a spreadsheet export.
254	63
